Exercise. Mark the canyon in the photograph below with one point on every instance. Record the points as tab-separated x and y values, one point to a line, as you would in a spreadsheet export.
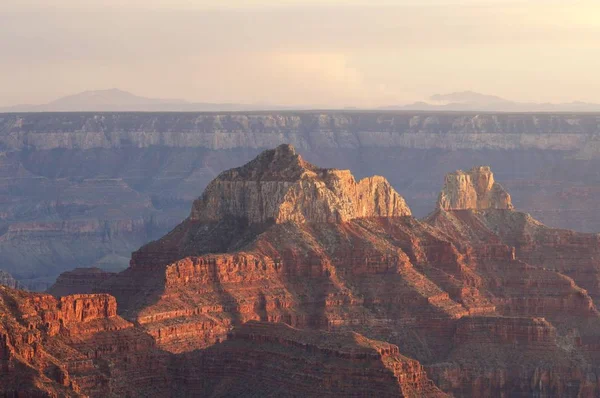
289	279
87	189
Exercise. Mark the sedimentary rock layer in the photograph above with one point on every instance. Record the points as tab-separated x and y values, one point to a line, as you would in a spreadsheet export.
467	292
280	186
475	190
87	189
78	346
302	129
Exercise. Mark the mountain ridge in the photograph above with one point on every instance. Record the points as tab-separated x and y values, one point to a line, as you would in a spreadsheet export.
117	100
469	101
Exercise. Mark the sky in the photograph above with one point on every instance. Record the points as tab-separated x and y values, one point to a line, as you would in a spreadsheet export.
326	53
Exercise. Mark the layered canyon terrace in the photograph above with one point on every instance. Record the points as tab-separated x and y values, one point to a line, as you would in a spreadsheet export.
87	189
290	279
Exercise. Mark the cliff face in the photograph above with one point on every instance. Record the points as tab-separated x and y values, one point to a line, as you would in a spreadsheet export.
79	346
280	186
80	280
6	279
86	189
264	129
488	300
475	189
58	348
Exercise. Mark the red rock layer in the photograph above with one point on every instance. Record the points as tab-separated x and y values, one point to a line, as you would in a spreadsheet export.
75	346
357	281
78	346
460	292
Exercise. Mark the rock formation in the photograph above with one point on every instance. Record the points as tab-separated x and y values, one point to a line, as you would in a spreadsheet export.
474	189
7	279
315	363
87	189
288	279
280	186
79	346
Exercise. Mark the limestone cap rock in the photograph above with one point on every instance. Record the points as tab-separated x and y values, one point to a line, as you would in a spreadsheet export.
473	190
280	186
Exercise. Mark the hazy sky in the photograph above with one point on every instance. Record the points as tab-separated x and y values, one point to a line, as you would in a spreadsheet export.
320	52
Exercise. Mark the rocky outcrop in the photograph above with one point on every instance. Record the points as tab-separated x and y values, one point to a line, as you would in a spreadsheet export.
280	186
531	332
60	348
78	281
545	364
364	297
85	190
475	190
52	348
6	279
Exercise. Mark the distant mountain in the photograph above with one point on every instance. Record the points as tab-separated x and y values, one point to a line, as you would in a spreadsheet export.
472	101
468	97
115	100
107	98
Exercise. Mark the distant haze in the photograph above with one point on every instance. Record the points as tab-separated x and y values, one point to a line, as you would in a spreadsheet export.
115	100
326	53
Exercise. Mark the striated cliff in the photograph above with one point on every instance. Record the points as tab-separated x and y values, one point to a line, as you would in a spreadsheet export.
80	280
79	346
57	348
7	279
489	301
87	189
308	364
474	189
302	129
280	186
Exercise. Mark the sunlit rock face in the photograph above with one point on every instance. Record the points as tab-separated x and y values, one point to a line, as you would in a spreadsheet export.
280	186
473	190
87	189
489	301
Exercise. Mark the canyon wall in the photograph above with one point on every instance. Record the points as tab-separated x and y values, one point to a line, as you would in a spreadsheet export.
477	299
304	130
280	186
79	347
474	189
87	189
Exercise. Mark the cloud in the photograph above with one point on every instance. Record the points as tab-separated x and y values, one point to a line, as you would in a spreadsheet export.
312	77
300	54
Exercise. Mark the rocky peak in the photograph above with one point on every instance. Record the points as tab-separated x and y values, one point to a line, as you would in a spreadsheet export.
475	190
280	186
279	164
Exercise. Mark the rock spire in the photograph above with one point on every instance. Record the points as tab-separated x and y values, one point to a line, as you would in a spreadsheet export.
473	190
